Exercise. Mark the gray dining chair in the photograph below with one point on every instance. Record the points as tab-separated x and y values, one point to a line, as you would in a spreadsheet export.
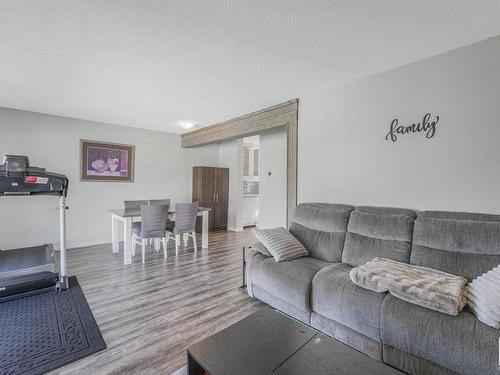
151	227
184	223
135	204
153	202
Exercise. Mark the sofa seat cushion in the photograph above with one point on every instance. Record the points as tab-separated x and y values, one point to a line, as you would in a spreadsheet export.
460	343
336	297
290	281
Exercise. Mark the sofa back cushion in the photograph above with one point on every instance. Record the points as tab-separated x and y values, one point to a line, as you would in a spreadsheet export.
384	232
321	228
464	244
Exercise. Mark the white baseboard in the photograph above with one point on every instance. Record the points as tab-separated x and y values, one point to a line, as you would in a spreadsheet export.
239	229
74	245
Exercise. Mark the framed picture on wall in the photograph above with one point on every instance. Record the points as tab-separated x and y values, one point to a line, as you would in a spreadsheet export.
103	161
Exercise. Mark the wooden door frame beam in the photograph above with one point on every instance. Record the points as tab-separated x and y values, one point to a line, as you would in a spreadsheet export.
281	115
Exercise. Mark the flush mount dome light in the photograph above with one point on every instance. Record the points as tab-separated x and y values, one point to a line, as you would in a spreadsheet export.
187	124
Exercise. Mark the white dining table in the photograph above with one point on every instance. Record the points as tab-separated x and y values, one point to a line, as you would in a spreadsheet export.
126	216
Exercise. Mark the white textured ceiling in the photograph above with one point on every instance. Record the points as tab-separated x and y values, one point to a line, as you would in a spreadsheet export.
148	64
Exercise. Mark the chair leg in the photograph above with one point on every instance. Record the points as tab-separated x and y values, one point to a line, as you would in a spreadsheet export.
157	244
134	244
164	241
143	251
177	240
194	241
185	238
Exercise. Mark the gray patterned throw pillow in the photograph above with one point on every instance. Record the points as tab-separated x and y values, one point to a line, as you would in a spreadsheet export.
280	243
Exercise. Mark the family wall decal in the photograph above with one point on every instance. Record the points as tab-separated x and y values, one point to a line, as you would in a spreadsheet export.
427	126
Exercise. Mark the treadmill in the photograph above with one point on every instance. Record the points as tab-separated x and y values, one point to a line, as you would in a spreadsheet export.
31	270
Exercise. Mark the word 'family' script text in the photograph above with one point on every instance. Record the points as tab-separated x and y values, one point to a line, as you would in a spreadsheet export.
427	125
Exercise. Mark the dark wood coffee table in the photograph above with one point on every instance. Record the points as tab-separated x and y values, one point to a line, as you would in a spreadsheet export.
268	342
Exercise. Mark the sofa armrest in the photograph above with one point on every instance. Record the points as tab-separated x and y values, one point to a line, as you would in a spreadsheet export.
250	254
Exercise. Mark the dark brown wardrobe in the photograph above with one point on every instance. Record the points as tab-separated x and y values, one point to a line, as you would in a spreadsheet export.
211	189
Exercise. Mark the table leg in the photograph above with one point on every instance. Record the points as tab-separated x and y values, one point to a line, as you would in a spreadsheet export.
127	253
114	234
204	230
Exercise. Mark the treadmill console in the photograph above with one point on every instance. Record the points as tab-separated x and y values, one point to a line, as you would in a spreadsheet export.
17	177
15	163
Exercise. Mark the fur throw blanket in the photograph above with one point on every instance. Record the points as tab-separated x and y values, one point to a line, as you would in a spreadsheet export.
422	286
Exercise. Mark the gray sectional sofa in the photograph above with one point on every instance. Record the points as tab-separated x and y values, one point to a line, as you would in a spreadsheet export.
317	289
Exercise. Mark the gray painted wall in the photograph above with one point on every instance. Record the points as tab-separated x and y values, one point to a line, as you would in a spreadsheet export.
162	170
343	156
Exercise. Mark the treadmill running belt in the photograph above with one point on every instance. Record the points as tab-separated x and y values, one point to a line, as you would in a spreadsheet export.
27	270
27	260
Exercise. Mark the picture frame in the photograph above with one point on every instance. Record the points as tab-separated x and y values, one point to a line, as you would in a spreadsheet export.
106	162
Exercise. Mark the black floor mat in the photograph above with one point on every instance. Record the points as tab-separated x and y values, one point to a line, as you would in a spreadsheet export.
46	331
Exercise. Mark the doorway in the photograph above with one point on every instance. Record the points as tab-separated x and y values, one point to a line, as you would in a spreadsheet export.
284	115
272	201
251	181
257	179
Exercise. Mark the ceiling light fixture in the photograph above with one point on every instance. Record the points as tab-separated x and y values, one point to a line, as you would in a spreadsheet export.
187	124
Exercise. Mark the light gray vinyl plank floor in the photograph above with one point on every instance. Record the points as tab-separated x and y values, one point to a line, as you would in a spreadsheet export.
149	314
